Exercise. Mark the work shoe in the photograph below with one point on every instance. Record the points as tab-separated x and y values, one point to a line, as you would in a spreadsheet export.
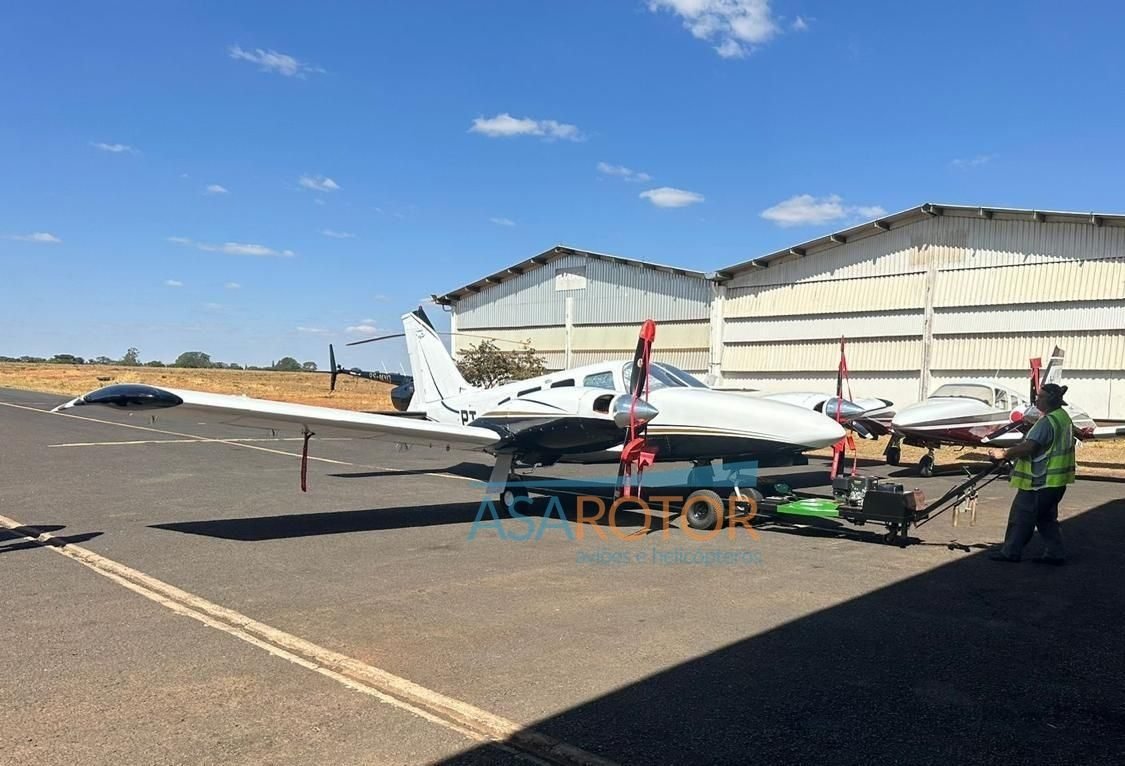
1001	556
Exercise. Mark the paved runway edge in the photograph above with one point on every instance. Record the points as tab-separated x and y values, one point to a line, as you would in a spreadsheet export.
474	723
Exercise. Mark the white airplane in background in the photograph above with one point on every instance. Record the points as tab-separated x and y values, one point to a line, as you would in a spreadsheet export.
976	413
583	415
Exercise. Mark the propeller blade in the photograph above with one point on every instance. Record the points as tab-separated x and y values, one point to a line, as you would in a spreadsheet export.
641	357
334	370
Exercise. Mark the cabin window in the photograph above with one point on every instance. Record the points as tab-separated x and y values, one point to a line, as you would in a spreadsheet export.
569	382
528	391
966	391
599	380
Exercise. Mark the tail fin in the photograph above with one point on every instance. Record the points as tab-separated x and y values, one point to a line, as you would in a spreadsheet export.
435	374
1053	373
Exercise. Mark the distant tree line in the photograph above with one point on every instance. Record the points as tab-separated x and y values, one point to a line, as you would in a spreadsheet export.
190	359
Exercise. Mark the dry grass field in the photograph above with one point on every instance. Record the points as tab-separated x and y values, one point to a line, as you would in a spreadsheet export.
1094	459
298	387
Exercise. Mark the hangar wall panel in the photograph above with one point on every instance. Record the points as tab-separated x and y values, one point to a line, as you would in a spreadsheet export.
669	335
883	293
1059	317
618	293
1102	351
805	356
1055	282
824	327
525	299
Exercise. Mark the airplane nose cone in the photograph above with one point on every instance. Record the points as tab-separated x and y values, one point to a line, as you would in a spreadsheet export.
848	410
819	430
625	410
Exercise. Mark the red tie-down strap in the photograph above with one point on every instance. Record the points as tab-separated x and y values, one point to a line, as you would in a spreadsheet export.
305	462
635	456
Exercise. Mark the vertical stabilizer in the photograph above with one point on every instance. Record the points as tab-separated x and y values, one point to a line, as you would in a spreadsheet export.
1053	373
435	374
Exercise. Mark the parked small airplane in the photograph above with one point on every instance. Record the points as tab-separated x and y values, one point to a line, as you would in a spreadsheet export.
974	413
583	415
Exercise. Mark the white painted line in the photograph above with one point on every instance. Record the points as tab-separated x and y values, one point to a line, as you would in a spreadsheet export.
454	714
236	443
196	440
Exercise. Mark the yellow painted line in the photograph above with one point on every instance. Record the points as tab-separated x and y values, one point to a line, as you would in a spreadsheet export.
234	443
449	712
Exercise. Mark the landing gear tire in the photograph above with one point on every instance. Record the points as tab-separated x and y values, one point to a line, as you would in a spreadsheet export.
510	496
894	454
703	509
926	465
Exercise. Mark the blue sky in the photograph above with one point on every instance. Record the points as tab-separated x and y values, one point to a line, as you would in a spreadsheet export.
255	180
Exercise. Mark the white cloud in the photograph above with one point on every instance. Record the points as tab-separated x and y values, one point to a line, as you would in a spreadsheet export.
505	125
319	183
113	148
42	237
233	248
216	189
980	159
503	221
232	285
213	306
312	330
623	172
666	196
805	209
735	26
337	234
173	283
800	24
272	61
366	328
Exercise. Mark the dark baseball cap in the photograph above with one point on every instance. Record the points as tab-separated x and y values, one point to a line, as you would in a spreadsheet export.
1055	391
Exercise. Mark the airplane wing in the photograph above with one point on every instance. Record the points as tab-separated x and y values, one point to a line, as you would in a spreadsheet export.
143	404
1104	432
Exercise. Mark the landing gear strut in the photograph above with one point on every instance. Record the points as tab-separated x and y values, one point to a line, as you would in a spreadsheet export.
893	453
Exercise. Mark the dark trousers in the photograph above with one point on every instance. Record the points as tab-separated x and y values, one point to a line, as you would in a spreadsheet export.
1031	510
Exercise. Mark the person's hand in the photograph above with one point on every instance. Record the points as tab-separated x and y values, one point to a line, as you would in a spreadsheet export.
996	454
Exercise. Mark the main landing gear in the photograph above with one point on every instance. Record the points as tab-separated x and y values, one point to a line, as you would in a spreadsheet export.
510	491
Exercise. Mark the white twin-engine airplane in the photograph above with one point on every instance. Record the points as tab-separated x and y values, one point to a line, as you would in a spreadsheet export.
582	415
977	413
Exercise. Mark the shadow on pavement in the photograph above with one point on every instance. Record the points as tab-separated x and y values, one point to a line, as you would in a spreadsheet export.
12	540
975	662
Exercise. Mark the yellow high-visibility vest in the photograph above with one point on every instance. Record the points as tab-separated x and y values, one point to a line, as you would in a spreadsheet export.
1055	467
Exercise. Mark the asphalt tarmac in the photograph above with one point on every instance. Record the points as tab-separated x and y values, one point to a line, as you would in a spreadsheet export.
370	620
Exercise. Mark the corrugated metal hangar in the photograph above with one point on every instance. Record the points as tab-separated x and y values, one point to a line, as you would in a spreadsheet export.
928	295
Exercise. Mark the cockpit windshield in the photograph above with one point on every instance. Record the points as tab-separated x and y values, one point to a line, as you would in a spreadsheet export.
966	391
661	375
686	377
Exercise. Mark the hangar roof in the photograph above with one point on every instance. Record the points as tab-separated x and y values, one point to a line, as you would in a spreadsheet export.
820	244
911	215
546	257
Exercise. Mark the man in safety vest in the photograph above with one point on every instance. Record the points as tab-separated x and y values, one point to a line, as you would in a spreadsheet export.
1044	467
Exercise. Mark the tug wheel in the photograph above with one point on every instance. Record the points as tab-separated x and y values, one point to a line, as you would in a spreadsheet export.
703	509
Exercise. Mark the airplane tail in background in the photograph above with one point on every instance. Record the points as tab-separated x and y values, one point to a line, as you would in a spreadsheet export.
435	374
1053	373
